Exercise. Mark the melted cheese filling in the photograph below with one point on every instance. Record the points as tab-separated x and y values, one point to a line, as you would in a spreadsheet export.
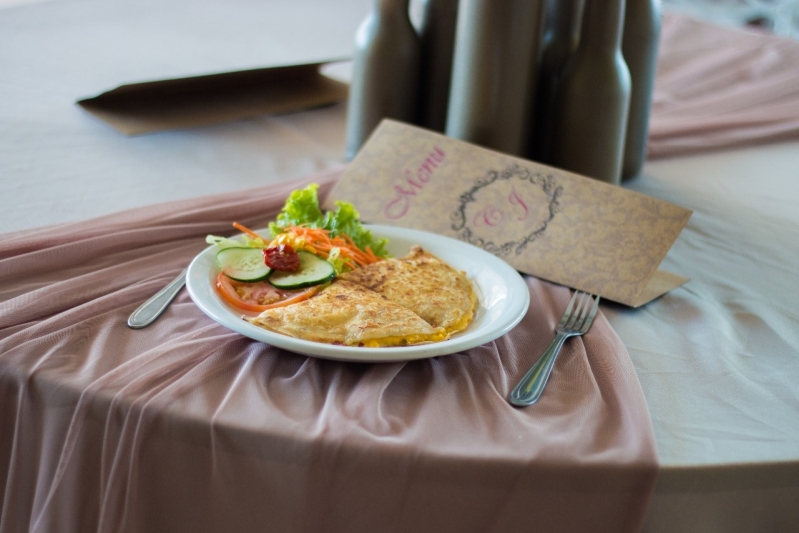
461	324
405	340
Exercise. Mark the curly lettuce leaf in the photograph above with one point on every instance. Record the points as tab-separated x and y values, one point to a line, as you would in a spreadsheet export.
302	208
346	219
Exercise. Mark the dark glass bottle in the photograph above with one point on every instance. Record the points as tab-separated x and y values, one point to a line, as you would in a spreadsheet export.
385	72
561	35
437	35
594	97
640	41
494	72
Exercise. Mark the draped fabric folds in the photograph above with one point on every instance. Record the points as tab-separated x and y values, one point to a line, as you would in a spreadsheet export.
187	426
719	87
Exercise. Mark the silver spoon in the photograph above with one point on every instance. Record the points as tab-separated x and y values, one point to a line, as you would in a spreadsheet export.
152	308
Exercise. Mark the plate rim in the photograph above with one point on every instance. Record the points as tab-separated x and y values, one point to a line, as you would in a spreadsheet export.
517	307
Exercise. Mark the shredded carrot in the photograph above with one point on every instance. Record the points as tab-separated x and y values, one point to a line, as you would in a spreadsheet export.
320	240
248	231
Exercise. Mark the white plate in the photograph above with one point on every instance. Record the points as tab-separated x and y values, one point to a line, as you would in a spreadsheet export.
502	293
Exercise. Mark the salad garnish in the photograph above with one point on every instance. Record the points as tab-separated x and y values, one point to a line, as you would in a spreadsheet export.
303	238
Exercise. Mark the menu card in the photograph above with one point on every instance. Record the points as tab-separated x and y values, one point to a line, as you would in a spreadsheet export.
544	221
161	105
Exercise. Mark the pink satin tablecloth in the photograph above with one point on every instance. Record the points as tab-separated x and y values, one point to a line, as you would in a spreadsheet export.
720	87
187	426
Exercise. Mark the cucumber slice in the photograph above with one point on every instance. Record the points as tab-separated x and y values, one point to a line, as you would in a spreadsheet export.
243	264
313	271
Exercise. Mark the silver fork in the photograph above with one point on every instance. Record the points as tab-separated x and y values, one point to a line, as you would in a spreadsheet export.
576	320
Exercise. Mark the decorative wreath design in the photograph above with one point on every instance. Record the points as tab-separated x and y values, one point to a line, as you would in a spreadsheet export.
548	183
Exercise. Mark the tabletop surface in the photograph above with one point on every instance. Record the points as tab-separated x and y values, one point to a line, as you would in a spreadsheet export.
718	359
59	164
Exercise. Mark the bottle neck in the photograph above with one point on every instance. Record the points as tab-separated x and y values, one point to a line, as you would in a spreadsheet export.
603	22
565	16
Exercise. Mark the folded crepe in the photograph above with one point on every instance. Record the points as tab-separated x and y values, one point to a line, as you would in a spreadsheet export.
426	285
350	314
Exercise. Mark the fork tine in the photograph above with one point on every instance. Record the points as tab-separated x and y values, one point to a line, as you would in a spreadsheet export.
590	318
568	313
585	315
579	311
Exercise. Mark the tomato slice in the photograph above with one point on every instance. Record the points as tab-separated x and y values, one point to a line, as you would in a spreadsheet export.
259	292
